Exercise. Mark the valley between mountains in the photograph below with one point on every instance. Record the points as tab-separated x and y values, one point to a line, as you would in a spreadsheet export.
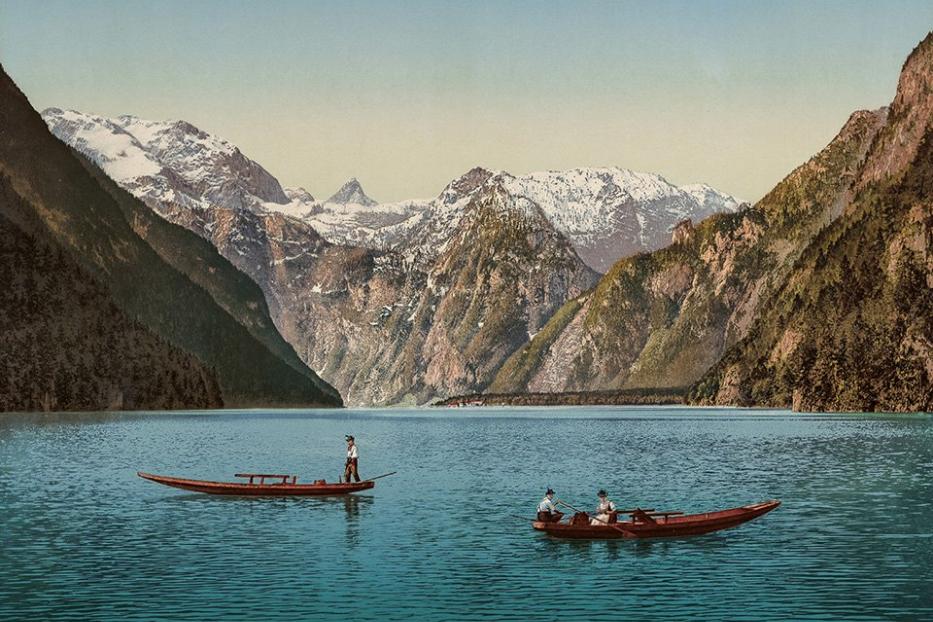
589	280
403	302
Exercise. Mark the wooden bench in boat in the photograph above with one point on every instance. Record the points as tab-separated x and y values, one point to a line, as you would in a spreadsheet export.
263	476
648	516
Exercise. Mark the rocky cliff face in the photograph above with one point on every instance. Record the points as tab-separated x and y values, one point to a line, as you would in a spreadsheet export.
850	327
404	301
385	330
817	297
606	213
910	114
662	319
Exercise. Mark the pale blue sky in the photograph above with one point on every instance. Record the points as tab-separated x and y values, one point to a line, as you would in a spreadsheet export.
408	95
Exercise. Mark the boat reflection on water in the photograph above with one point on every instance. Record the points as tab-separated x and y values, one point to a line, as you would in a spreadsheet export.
351	504
625	549
355	508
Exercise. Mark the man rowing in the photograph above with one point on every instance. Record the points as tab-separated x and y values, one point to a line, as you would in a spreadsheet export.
605	510
353	458
547	509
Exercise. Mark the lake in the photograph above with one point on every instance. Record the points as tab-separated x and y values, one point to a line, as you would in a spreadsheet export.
84	538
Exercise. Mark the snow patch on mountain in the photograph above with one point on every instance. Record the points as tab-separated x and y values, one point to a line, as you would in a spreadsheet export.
168	162
607	213
351	193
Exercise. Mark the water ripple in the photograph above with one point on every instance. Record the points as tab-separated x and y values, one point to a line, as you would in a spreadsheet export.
83	538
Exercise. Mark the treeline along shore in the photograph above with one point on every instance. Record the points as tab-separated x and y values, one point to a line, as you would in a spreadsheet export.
648	397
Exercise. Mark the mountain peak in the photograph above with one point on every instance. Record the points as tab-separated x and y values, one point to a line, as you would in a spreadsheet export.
167	162
909	120
351	193
180	126
299	194
916	80
466	183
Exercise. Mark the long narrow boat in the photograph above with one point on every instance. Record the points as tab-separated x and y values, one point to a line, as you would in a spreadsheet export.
286	485
650	524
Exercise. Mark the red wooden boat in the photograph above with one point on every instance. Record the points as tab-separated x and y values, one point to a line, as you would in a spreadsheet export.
282	485
651	524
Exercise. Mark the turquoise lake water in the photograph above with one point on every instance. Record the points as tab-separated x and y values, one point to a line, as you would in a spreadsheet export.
84	539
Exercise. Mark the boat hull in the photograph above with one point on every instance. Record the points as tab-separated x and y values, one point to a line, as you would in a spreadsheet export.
258	490
663	527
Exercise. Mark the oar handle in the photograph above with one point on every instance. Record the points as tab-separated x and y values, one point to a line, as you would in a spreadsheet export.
381	476
567	505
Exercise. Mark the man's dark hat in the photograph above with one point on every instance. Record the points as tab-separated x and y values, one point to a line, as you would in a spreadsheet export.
350	438
549	492
601	493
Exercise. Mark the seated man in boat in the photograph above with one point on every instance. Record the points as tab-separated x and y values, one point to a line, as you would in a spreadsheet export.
547	510
605	510
353	457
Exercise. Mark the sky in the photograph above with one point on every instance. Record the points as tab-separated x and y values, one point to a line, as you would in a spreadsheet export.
407	95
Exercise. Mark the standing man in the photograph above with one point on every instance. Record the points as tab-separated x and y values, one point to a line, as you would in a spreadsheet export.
353	457
547	510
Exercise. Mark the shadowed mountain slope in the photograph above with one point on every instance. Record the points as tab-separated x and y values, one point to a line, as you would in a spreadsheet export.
62	201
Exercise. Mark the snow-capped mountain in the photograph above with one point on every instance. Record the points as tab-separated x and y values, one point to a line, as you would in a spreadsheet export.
168	162
404	301
607	213
351	193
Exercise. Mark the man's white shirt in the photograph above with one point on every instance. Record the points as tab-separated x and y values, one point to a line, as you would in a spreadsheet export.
547	505
605	507
352	452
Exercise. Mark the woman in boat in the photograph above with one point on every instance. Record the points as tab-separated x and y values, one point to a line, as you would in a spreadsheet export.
547	510
605	510
353	457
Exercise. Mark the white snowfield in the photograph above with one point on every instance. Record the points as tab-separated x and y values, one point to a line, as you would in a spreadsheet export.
165	162
606	213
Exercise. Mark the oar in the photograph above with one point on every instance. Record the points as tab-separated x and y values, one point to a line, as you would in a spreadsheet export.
522	517
567	505
380	476
616	527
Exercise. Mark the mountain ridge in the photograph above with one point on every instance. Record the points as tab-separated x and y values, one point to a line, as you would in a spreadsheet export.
815	298
61	199
351	193
607	212
662	319
356	307
850	328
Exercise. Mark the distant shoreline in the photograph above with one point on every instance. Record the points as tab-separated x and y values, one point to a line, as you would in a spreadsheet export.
637	397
